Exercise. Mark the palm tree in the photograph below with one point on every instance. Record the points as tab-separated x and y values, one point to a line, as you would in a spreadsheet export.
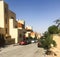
57	22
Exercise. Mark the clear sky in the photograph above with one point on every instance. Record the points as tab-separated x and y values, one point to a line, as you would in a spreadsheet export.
40	14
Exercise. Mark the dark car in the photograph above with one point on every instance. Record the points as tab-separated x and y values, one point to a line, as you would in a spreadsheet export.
28	41
22	43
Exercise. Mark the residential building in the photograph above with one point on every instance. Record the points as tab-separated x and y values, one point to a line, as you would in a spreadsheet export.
11	29
28	31
4	19
38	35
33	34
22	31
21	24
8	24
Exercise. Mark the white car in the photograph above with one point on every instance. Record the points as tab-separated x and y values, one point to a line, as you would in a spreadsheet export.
32	41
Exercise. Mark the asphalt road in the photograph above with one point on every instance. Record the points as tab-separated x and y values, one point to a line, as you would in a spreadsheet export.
30	50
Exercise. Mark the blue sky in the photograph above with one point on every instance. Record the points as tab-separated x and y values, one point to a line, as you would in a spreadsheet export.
40	14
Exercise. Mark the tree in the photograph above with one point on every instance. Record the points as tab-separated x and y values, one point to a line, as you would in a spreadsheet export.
46	42
57	22
46	34
53	29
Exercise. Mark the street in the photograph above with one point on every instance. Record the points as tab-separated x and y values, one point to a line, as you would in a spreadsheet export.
30	50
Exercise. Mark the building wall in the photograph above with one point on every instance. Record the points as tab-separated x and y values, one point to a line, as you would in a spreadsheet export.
1	31
12	15
38	35
8	22
32	34
21	24
28	28
6	19
13	31
2	14
56	49
57	39
21	28
27	34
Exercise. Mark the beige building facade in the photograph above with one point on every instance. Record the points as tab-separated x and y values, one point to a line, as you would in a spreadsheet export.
29	30
8	23
56	49
56	37
12	29
22	31
4	19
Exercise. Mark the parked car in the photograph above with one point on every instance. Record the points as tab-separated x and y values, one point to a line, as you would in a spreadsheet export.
32	41
28	41
22	43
